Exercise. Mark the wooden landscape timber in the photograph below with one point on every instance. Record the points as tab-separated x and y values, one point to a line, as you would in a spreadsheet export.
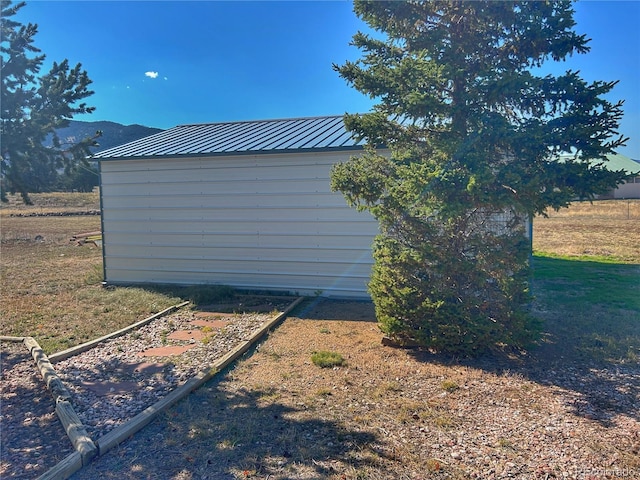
70	352
51	379
8	338
94	237
77	433
64	469
117	436
86	449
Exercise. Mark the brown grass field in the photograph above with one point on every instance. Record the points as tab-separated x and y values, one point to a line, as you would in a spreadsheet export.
51	288
558	411
606	228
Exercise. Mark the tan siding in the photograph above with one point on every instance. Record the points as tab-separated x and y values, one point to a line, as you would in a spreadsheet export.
628	189
193	199
259	221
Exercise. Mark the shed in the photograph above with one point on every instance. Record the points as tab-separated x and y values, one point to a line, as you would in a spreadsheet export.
631	187
245	204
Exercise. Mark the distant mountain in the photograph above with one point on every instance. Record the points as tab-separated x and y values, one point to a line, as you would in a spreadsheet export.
113	134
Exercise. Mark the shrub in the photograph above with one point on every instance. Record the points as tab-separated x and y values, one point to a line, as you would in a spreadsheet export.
325	359
465	299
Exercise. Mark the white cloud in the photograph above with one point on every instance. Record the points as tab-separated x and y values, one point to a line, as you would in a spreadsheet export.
151	74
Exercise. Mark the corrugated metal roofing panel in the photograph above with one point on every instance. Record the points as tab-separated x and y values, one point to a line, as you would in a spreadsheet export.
269	136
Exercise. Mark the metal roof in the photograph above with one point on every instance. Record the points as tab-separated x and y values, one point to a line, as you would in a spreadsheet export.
232	138
621	162
615	161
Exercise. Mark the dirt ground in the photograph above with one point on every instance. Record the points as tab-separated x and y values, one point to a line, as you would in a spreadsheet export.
387	414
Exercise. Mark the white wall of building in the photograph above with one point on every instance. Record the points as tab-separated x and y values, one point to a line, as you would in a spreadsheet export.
629	189
267	222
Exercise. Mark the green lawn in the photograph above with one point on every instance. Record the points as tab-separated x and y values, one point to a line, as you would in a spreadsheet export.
591	306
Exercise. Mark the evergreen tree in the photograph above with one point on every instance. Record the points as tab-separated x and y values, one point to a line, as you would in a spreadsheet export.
78	178
474	140
33	108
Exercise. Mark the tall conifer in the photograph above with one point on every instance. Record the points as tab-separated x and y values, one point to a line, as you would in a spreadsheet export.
475	138
32	109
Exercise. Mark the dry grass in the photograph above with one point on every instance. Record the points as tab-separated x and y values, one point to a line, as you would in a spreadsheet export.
51	288
605	228
386	413
52	202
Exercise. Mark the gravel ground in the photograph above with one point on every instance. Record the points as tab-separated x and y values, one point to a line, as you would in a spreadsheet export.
33	439
387	414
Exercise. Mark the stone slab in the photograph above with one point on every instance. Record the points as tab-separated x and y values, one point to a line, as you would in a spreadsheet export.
167	351
110	388
187	335
209	323
146	368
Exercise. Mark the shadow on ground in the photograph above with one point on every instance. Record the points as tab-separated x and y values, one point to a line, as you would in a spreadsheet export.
575	354
325	309
234	437
248	433
32	439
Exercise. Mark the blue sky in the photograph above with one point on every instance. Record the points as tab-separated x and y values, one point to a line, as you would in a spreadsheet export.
165	63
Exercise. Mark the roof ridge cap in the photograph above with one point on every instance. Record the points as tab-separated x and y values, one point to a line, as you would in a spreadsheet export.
266	120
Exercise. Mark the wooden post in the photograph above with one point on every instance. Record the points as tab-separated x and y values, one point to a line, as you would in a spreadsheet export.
51	379
64	469
66	414
76	431
5	338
